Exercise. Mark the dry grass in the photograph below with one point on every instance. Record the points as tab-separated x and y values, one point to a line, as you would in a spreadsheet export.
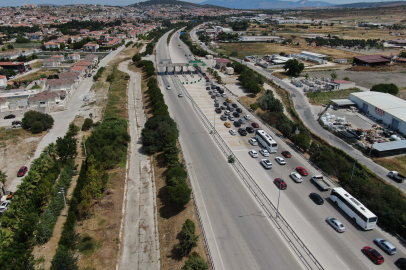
320	98
36	64
393	163
117	102
36	75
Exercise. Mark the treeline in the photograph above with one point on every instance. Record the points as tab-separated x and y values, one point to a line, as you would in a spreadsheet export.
21	58
350	43
36	205
193	48
99	73
66	28
106	147
239	26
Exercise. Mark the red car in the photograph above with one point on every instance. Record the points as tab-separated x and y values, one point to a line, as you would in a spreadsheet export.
302	171
255	125
374	255
23	170
207	77
286	154
280	183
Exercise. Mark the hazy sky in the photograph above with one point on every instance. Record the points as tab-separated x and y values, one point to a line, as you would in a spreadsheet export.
129	2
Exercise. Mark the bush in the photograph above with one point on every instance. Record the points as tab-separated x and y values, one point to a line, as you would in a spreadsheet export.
189	239
64	259
33	117
87	124
293	67
195	262
269	103
389	88
179	195
254	106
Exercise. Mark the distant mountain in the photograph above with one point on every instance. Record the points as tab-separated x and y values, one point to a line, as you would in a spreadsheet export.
372	4
265	4
170	2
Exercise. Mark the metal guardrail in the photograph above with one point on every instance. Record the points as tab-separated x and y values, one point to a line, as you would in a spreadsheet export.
239	168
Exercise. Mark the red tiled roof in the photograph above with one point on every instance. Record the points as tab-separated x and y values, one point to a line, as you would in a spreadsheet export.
223	60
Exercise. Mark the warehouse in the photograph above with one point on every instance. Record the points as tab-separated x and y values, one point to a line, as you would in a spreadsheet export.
383	107
259	38
371	60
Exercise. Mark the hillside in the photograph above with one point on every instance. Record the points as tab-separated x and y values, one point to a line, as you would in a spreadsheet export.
371	4
171	2
266	4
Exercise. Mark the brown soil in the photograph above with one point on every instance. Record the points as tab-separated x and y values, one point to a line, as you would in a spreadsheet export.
16	145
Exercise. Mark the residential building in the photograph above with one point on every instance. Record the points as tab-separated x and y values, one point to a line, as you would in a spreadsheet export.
220	62
51	45
91	47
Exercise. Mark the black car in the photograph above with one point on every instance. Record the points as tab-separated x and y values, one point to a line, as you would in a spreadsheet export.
210	92
231	109
222	107
242	132
225	103
237	124
234	105
217	105
213	87
221	91
10	116
401	263
316	198
207	88
217	110
249	129
236	114
207	80
239	110
217	88
213	96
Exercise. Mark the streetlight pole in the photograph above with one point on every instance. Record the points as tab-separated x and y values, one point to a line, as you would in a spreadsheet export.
279	196
64	201
353	168
297	131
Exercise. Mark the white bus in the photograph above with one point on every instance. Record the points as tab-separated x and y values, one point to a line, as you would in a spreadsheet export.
266	141
353	208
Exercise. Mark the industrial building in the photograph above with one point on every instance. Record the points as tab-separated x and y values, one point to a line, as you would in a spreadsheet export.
259	38
313	55
342	84
371	60
386	109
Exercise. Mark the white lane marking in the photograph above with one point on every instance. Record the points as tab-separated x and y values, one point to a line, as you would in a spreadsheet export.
301	216
342	262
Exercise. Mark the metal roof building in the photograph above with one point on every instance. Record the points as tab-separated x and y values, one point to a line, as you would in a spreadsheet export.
371	60
390	109
389	148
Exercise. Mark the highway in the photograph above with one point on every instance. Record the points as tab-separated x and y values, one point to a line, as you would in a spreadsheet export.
238	232
333	250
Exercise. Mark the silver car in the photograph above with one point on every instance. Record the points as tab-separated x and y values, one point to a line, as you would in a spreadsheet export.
266	163
296	177
264	152
386	246
280	160
4	206
231	118
336	224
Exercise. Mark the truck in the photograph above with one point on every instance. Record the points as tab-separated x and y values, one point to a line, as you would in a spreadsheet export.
321	183
396	176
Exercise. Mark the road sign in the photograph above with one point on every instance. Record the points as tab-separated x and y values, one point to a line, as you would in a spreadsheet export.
192	62
203	64
195	65
187	65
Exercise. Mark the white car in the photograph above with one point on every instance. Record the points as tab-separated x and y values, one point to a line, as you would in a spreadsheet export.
247	117
296	177
231	118
233	132
253	153
180	95
266	163
168	87
4	206
227	112
224	95
264	152
336	224
253	142
280	160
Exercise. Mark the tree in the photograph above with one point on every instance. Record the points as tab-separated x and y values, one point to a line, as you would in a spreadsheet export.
195	262
64	259
179	195
33	117
136	57
389	88
333	75
303	142
293	67
189	239
66	148
3	179
87	124
402	54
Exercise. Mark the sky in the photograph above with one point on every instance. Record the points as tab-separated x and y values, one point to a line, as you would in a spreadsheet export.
129	2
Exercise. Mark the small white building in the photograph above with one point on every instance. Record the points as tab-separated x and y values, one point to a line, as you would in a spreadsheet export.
229	70
340	61
51	62
259	38
342	84
3	82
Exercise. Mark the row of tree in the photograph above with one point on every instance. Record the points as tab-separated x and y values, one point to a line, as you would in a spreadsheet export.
350	43
193	48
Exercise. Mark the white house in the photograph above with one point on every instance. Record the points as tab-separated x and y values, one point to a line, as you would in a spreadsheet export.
51	62
73	57
91	47
3	82
51	45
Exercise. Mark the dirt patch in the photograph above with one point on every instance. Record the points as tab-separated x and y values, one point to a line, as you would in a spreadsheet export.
16	145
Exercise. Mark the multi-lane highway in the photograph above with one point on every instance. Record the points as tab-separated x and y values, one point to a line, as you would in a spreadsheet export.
240	235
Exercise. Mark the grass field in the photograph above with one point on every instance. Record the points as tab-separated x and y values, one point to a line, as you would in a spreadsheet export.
30	46
245	49
320	98
393	164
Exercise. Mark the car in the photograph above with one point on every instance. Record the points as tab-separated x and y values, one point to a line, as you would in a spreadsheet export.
239	110
253	153
223	95
253	142
233	132
4	206
266	163
217	110
385	245
16	123
236	114
229	107
207	80
180	95
185	54
207	88
231	118
247	117
316	198
213	87
10	116
216	100
222	107
218	95
401	263
225	103
213	96
168	87
228	100
373	254
227	124
336	224
280	183
89	75
22	171
215	91
217	105
302	171
234	105
227	112
296	177
10	195
264	152
11	77
242	121
210	92
286	154
223	117
249	129
242	131
280	160
237	124
255	125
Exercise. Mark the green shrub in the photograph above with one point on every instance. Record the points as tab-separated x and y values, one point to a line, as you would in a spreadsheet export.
179	195
87	124
32	118
188	240
37	127
254	106
195	262
64	259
